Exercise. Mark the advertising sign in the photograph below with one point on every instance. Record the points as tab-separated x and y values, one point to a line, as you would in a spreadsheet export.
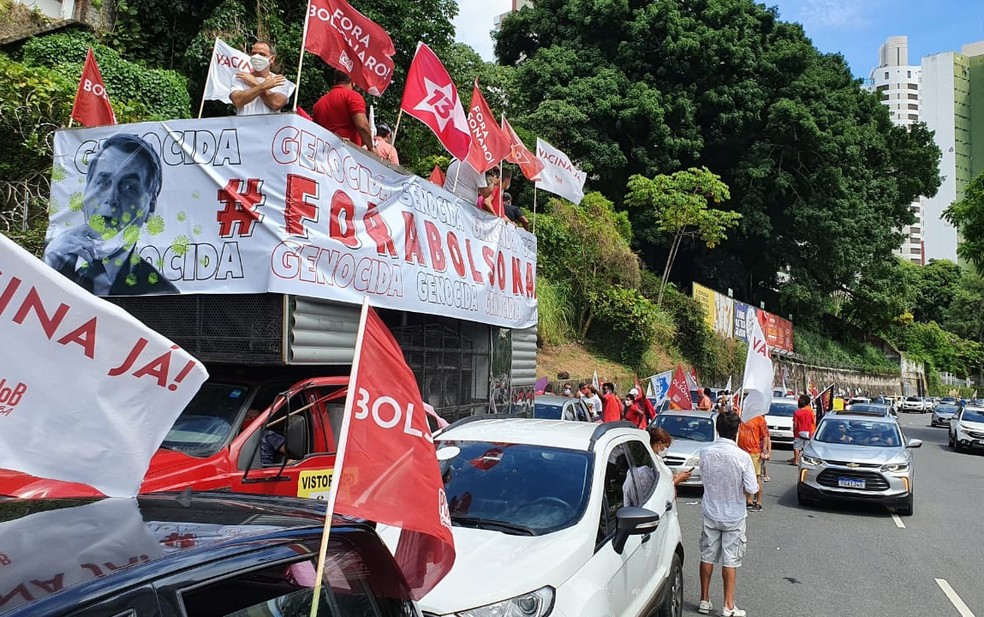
719	310
276	203
778	331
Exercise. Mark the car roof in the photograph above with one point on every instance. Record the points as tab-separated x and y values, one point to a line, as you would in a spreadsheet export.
785	400
531	431
847	415
690	413
552	399
166	528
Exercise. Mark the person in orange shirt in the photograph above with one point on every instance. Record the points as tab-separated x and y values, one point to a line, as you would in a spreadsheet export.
704	403
753	437
384	146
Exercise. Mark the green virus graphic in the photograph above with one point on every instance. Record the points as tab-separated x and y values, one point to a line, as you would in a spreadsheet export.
53	207
182	217
197	230
152	278
58	173
155	225
196	195
75	202
131	279
180	245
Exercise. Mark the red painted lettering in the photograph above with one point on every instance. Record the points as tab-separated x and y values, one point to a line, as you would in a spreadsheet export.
434	244
84	335
341	204
454	249
297	207
48	323
379	232
412	250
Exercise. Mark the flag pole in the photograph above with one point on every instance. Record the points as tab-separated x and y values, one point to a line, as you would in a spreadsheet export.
339	457
300	61
396	129
534	207
71	121
208	77
457	172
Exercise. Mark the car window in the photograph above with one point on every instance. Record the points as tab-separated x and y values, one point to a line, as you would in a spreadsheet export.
616	471
643	475
547	412
783	410
582	411
859	433
207	421
515	488
686	427
973	415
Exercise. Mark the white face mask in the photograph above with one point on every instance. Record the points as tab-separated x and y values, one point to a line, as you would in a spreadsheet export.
259	63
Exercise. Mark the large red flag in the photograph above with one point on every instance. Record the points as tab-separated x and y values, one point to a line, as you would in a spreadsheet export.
490	144
92	106
351	42
679	393
387	466
520	155
430	96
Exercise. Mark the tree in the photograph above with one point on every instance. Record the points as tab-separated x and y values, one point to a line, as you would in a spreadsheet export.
820	175
677	206
967	215
586	248
936	285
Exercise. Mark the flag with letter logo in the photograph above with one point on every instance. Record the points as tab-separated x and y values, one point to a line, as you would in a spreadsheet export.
758	372
679	393
226	62
120	385
351	42
386	464
91	107
520	155
559	175
490	144
430	96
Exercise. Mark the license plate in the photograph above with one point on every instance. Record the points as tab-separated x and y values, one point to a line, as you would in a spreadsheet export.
850	483
775	434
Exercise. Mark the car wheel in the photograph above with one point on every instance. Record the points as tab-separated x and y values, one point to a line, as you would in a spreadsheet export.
906	510
673	602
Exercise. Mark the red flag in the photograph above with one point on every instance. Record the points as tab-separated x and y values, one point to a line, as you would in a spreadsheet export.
490	144
679	393
437	176
520	155
351	42
303	113
92	106
430	96
387	467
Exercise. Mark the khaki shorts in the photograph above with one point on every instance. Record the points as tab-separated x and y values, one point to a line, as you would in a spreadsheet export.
722	544
756	462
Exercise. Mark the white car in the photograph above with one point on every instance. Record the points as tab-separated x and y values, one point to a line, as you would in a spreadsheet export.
915	403
556	518
691	431
967	429
780	420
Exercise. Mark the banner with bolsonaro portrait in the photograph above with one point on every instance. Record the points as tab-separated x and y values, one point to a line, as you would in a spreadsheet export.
277	204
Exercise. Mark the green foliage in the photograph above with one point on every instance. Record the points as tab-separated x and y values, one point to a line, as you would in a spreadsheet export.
554	323
820	175
627	325
965	317
939	349
583	246
882	296
967	215
424	166
139	92
936	284
823	349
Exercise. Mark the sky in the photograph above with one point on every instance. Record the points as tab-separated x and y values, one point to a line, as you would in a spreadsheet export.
853	28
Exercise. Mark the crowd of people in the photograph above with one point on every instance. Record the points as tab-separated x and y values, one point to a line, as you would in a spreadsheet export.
342	111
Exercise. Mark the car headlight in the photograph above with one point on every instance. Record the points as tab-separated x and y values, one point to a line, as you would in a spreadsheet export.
693	461
895	467
811	460
537	603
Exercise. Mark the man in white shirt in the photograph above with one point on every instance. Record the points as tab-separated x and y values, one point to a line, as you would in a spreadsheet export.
260	91
466	183
729	478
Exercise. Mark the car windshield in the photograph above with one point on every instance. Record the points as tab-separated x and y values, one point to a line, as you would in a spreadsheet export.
686	427
517	489
208	420
783	410
868	408
973	415
859	433
547	411
945	408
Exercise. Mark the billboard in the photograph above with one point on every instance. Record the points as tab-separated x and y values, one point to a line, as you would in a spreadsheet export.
778	331
719	310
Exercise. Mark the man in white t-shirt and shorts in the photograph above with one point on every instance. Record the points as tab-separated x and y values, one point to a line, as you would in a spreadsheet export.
466	183
729	478
259	90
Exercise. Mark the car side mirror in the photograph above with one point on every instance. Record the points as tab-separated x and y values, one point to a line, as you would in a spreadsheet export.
914	443
632	521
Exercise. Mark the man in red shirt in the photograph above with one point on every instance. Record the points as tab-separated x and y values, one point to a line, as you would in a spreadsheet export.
343	112
753	437
610	404
804	424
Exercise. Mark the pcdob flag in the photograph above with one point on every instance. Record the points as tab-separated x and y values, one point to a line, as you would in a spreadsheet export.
559	175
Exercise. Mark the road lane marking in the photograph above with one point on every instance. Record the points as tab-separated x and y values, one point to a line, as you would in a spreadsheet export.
898	521
962	608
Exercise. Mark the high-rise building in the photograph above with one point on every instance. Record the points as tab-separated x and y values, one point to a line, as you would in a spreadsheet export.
953	107
516	5
897	83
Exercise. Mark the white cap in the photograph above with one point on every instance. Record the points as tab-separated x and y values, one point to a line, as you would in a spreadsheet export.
633	392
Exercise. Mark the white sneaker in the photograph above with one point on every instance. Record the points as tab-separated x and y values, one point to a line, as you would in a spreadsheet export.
705	607
732	612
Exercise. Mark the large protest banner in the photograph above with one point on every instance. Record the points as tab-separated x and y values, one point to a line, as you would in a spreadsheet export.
778	331
719	310
276	203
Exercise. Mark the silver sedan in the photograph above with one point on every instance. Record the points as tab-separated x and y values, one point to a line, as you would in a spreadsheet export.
858	458
691	431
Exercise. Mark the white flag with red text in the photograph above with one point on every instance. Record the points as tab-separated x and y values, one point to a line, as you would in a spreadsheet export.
559	175
758	371
87	392
226	62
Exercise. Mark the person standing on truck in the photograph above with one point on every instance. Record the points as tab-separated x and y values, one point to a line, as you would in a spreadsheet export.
611	405
260	90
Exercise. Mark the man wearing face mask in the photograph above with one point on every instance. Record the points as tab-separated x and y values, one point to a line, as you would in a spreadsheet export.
260	91
121	189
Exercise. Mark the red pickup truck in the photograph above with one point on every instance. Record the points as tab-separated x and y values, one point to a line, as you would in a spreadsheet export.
271	437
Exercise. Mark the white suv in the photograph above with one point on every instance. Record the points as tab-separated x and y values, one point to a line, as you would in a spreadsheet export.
556	518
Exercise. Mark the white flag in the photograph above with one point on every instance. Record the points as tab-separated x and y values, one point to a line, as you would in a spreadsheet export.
226	62
87	392
595	381
559	175
758	371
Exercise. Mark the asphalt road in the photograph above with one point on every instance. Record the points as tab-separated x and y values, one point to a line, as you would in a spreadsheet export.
859	560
